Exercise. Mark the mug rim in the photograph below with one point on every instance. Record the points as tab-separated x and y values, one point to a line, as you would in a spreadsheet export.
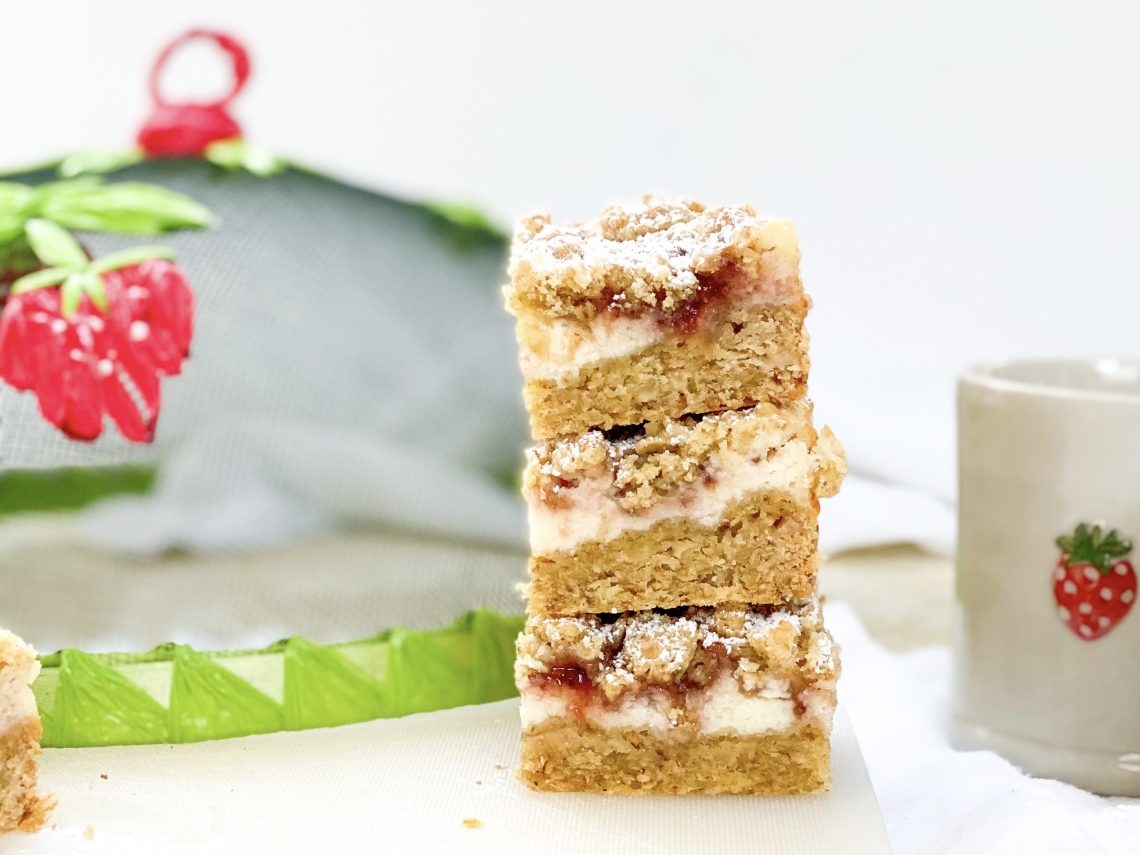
984	374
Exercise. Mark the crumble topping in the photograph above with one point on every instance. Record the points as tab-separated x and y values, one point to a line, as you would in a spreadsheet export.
679	649
663	254
648	461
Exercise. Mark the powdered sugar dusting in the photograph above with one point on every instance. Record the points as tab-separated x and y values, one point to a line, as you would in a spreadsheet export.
645	255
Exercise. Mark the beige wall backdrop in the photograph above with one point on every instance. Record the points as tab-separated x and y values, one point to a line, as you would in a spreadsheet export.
963	176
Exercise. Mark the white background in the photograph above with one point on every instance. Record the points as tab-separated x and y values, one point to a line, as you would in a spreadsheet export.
963	176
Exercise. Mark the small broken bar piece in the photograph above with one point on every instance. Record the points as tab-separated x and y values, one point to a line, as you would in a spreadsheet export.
20	731
654	311
700	510
696	700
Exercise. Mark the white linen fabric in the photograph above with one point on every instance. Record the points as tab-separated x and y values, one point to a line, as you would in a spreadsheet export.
936	799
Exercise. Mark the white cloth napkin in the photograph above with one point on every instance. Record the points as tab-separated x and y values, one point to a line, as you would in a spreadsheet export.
936	799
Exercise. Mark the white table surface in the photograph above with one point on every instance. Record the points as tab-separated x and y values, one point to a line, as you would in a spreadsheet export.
407	785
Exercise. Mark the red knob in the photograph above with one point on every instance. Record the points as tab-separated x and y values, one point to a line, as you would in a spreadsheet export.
184	130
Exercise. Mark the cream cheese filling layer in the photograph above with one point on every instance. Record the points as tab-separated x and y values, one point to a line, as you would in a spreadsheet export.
557	349
592	513
645	713
17	702
722	709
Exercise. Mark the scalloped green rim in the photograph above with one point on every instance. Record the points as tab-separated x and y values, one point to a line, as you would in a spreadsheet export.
174	694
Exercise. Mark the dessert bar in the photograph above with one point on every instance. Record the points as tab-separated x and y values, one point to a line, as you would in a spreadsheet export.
737	699
20	806
700	510
654	311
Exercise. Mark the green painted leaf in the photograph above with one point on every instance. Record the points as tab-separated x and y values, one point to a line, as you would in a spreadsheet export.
96	705
40	279
16	205
130	257
466	217
53	245
1090	545
324	689
70	294
51	189
209	701
240	154
464	225
128	207
69	487
16	256
98	162
15	197
11	230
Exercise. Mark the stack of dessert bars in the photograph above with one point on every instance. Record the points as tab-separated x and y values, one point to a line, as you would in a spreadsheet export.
674	642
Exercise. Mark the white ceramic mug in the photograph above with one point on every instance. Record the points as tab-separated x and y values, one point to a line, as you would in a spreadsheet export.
1048	642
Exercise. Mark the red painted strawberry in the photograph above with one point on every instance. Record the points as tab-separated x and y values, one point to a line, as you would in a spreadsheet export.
92	338
1094	585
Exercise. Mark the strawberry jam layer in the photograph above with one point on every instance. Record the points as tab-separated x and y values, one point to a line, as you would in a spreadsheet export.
716	293
745	669
578	685
707	305
573	685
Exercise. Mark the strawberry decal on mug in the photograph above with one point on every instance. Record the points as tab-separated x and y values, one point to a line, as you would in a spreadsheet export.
1094	584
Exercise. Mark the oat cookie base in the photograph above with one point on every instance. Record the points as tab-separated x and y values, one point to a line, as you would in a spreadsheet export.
567	755
763	550
756	354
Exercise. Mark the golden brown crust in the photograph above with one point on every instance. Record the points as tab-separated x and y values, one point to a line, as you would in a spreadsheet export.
567	754
758	354
642	257
20	806
762	551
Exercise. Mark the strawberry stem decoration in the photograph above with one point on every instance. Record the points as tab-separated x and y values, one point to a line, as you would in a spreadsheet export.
88	204
92	338
1094	585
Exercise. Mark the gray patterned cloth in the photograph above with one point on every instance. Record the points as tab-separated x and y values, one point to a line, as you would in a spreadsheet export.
352	364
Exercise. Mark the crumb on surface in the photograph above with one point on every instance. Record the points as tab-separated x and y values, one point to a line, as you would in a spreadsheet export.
103	776
89	833
472	823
